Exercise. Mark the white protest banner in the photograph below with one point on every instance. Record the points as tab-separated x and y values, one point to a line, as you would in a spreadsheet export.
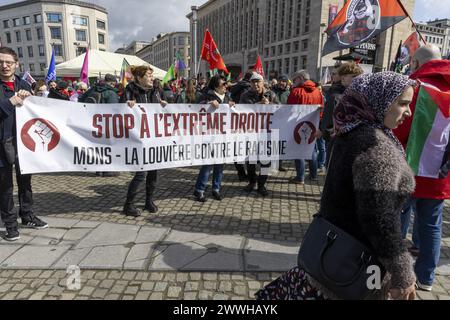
61	136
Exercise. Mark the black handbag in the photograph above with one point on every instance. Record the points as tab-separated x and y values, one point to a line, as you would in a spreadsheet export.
337	260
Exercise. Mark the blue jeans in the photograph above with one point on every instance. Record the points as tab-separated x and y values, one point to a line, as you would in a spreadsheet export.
408	209
428	221
313	165
203	177
322	152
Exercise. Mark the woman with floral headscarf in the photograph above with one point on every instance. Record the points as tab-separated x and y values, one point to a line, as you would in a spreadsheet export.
367	184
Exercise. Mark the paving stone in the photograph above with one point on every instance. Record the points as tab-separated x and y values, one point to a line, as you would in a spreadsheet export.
150	235
190	296
143	296
108	234
55	223
72	258
87	224
138	256
33	257
177	256
160	286
156	296
174	292
6	251
100	293
270	256
108	257
75	234
147	286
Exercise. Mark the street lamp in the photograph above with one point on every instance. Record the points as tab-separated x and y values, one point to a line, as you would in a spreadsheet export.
323	25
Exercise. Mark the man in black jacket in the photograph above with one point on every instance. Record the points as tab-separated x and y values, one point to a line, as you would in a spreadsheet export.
13	91
258	95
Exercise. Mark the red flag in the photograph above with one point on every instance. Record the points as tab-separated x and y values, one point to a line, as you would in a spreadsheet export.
259	66
211	54
361	20
409	49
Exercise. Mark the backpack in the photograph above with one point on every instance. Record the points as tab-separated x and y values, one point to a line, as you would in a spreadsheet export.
92	96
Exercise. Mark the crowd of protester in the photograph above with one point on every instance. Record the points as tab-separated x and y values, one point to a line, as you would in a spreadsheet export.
361	117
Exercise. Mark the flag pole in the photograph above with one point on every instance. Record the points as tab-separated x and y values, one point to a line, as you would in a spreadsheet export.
413	23
198	66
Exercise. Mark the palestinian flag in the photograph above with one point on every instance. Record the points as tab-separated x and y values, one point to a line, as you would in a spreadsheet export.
361	20
430	130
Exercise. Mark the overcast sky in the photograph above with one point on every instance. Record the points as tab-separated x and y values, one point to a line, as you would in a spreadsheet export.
141	20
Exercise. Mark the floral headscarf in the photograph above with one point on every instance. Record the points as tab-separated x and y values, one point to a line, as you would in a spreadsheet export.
367	101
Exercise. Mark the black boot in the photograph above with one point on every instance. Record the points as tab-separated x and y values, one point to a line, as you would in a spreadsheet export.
131	211
150	206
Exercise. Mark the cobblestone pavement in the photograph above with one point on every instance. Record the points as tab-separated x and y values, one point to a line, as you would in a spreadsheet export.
282	217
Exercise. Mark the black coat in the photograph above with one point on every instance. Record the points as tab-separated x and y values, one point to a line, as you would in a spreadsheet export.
367	184
8	111
55	94
134	92
251	97
210	95
238	89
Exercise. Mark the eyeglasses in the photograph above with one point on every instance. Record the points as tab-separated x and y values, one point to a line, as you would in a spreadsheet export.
8	63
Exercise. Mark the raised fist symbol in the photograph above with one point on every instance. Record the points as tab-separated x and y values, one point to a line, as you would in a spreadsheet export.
305	133
42	135
39	135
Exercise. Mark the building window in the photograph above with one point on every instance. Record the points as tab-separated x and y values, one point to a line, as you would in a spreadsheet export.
41	50
101	25
40	35
37	18
16	22
295	64
20	52
54	17
6	24
80	35
21	67
304	62
288	48
32	67
55	33
30	52
8	37
181	41
18	36
80	51
101	38
305	45
42	66
58	50
287	65
80	21
26	21
280	49
28	34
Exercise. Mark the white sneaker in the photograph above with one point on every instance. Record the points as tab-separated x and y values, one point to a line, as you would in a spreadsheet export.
424	287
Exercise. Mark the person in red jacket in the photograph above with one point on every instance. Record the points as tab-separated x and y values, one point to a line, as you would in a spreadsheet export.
430	194
305	92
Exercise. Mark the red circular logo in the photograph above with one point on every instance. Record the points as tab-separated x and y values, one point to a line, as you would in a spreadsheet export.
305	132
40	135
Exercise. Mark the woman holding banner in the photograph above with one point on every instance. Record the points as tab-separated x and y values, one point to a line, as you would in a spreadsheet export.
215	96
141	91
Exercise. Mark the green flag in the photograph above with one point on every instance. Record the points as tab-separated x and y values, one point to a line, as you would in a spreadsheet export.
170	75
